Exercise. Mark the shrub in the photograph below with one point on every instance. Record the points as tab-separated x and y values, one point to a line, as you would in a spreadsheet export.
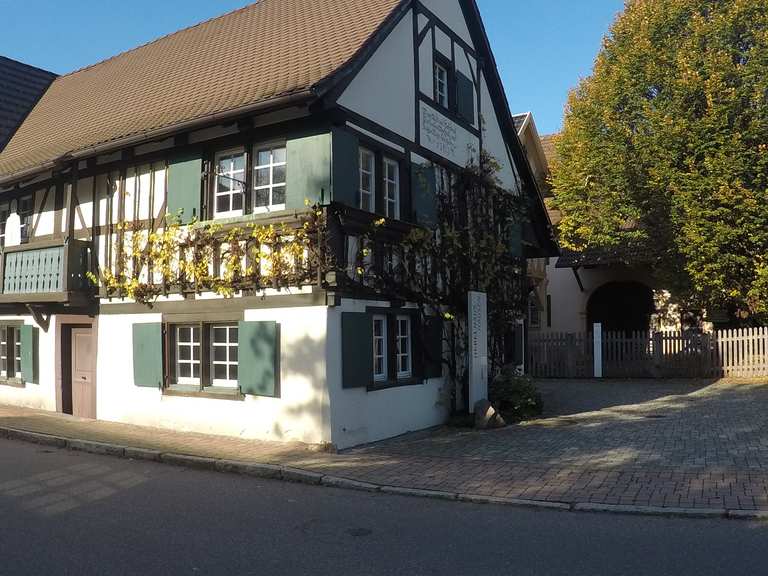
514	396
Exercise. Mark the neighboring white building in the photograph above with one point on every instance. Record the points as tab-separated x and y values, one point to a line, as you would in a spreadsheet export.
319	106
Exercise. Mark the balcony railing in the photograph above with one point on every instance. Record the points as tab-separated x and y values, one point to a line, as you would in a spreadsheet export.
51	272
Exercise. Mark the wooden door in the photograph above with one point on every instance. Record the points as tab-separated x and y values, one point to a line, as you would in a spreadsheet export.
83	381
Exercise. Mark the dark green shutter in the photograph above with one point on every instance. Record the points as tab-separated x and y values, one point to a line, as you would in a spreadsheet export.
258	353
309	171
148	355
29	352
432	332
424	194
465	98
184	179
356	349
346	168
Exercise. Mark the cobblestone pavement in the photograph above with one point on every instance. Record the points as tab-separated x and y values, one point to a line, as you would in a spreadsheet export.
641	443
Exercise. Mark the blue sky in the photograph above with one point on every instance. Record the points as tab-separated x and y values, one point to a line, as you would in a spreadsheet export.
542	47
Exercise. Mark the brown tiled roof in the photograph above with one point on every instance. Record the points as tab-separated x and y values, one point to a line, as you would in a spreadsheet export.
548	145
261	52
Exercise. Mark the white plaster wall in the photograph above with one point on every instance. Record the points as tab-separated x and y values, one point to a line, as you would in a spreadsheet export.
301	413
493	139
449	12
359	416
443	43
44	211
41	394
426	73
383	91
85	203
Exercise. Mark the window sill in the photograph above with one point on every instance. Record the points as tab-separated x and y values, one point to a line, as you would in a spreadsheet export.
13	382
389	384
210	393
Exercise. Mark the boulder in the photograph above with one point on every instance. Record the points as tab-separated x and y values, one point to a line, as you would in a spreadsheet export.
487	417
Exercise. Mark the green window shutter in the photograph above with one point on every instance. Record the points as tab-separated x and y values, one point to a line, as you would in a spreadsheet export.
309	171
424	194
356	349
29	353
465	98
184	179
346	168
148	355
258	353
433	347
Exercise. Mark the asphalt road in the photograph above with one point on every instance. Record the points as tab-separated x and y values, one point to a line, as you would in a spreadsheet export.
72	513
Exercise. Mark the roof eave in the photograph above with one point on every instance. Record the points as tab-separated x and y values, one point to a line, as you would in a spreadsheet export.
284	101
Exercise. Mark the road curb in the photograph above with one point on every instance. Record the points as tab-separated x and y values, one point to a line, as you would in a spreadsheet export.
291	474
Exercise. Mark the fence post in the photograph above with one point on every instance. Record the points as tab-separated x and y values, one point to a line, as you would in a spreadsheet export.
597	334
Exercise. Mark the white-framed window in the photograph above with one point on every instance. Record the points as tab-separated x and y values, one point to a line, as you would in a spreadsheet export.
443	180
4	352
367	180
403	339
392	188
270	167
188	354
230	184
26	211
379	348
224	355
441	85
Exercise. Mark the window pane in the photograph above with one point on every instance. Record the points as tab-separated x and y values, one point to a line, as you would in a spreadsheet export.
196	353
237	201
366	182
222	204
278	176
219	371
196	335
239	162
233	372
263	157
184	370
233	334
233	353
262	177
278	195
278	155
220	353
261	197
184	352
196	371
183	334
219	335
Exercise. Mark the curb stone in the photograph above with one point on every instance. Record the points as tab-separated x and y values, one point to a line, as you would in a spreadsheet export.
198	462
302	476
419	492
651	510
96	447
263	470
250	469
338	482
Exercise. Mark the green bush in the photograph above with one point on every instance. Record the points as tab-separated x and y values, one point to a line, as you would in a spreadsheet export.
514	396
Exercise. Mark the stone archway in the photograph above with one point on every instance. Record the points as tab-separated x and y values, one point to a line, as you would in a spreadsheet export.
621	307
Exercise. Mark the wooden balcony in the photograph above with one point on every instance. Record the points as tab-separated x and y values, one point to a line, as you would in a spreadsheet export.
46	272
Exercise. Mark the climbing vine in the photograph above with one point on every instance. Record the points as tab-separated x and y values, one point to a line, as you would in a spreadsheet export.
473	245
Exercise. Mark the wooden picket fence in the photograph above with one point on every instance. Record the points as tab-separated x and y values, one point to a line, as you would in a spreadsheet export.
738	353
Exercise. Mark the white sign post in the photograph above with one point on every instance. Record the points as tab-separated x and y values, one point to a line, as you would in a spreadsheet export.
597	332
478	348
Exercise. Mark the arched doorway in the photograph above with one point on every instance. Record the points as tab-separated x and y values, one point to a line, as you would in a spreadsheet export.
621	307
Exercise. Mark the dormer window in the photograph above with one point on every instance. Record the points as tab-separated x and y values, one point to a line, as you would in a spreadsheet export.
441	85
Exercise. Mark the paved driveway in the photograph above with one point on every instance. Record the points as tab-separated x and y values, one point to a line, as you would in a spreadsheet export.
649	443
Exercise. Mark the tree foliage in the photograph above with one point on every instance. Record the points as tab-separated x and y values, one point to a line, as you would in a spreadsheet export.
664	153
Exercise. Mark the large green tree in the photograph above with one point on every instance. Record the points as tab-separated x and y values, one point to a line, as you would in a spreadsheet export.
664	152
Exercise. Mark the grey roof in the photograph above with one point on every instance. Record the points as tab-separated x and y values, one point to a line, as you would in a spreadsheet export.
21	86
